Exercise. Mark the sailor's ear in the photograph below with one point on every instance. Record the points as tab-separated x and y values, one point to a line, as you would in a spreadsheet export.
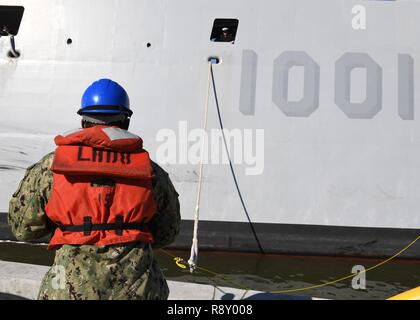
125	124
85	124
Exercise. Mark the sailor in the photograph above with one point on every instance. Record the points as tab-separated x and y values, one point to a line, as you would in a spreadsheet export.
105	203
224	36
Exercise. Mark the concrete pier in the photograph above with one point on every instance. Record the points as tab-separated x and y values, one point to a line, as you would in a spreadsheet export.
22	281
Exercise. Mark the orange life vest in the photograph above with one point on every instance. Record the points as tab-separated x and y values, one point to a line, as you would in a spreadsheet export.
102	188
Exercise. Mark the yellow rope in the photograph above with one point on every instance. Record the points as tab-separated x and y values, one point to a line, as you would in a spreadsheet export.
353	274
182	261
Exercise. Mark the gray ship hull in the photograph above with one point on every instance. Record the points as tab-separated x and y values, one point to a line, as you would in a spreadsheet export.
318	99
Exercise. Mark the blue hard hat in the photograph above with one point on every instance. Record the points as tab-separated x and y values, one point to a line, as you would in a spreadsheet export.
105	96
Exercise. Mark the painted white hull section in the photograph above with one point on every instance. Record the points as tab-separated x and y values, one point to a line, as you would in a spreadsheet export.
323	169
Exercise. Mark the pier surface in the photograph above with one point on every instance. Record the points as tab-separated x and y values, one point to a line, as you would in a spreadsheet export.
22	281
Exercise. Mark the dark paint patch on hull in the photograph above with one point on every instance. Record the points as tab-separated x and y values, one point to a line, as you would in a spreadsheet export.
290	239
298	239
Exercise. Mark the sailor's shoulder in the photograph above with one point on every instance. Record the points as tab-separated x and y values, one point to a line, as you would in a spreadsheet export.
37	176
41	169
158	171
43	166
47	160
162	183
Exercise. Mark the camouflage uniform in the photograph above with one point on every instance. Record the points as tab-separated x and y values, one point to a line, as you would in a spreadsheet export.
124	271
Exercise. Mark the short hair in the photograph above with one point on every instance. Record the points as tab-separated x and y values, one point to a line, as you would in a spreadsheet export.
120	120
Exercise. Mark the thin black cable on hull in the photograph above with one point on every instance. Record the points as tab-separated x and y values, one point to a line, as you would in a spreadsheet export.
231	165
